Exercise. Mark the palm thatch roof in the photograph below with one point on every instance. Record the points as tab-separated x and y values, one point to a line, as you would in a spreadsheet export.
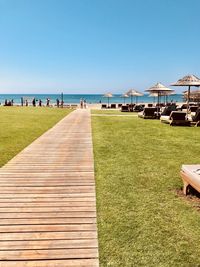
159	88
188	80
108	95
133	92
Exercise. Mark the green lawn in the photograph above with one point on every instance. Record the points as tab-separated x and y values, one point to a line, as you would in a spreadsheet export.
143	219
19	126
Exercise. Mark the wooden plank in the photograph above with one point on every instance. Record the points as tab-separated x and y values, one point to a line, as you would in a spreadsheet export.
48	236
48	221
46	209
56	214
72	204
47	228
45	244
53	254
52	263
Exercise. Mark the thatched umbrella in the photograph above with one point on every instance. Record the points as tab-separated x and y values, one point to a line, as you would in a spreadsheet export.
194	95
159	89
108	95
189	80
132	93
124	96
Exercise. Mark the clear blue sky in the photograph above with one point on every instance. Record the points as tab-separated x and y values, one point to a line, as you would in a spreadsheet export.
93	46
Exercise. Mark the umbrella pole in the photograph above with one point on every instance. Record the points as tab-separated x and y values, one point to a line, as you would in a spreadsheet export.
188	101
158	105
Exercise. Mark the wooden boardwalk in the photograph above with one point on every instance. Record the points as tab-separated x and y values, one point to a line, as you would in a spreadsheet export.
47	200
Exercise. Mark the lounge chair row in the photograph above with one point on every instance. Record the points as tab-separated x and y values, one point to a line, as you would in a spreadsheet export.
112	106
173	117
132	108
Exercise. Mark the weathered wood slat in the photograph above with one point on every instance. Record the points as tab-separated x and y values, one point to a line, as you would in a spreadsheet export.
48	221
48	236
80	253
52	263
45	244
47	200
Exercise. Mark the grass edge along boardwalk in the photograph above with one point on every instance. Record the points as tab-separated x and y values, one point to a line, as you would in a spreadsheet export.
47	199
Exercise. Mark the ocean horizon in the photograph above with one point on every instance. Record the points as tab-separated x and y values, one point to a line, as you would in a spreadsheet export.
90	98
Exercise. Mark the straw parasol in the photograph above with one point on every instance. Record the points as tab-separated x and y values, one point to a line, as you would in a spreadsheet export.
188	80
108	95
133	92
159	89
124	96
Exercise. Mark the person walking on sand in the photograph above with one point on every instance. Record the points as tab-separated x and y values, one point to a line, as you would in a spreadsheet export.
57	102
84	103
81	103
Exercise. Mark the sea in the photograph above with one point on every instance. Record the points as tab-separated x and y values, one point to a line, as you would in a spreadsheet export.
89	98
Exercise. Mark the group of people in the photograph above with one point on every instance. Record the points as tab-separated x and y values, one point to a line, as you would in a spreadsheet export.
8	102
34	101
83	103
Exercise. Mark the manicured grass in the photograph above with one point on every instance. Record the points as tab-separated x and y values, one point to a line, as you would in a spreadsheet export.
19	126
142	219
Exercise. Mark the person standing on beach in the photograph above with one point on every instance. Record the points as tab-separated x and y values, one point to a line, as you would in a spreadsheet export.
84	103
34	102
57	102
81	103
48	101
26	102
40	102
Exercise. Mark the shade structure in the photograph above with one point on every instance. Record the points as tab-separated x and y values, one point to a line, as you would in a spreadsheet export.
159	89
194	95
188	80
133	92
124	96
108	95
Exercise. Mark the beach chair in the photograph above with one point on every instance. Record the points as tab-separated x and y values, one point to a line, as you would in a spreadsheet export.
178	118
148	113
124	108
131	106
103	106
168	109
190	175
149	105
113	106
138	108
196	118
74	106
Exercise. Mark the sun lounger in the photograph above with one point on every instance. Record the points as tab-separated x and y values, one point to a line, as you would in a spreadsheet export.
74	106
193	108
103	106
138	108
196	118
191	177
148	113
113	106
124	108
167	110
178	118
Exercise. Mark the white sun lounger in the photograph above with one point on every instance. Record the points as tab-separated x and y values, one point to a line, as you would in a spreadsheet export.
191	176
